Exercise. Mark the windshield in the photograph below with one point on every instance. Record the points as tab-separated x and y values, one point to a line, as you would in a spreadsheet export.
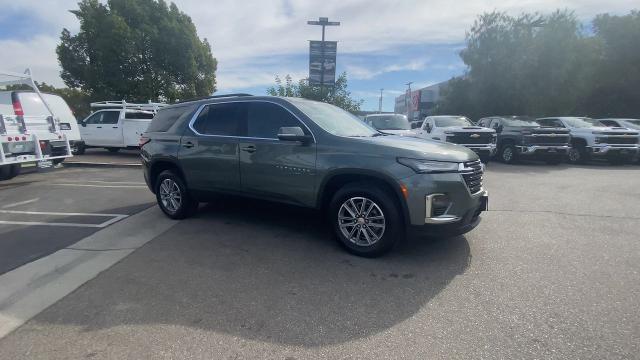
521	121
445	121
389	122
334	120
582	122
633	123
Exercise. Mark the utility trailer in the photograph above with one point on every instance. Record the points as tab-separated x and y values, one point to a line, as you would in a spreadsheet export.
28	139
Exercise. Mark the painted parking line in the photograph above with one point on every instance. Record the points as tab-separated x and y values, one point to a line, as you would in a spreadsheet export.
20	203
113	219
101	186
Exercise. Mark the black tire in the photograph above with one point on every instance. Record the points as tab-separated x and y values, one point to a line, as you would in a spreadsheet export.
8	172
578	154
187	205
485	159
78	148
57	161
508	154
388	235
113	149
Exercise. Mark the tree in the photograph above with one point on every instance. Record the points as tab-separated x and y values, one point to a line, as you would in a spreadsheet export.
548	66
136	50
338	95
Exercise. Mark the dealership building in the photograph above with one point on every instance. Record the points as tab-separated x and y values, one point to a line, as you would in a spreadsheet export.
420	102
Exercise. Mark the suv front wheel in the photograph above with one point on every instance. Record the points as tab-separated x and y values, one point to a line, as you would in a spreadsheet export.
365	219
173	197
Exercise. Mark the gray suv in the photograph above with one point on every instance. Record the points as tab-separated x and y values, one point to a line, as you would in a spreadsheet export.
373	187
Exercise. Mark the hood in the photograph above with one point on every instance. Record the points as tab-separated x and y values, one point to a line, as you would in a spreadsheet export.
606	130
478	129
398	132
411	147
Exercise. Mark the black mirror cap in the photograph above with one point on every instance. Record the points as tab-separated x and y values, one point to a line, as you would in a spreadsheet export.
293	133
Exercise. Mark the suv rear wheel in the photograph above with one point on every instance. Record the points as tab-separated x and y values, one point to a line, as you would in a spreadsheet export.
173	197
365	219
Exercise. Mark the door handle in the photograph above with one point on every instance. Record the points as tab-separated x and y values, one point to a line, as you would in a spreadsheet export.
249	149
115	127
188	144
99	127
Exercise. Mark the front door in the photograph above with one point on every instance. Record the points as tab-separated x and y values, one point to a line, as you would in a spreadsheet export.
108	132
209	148
272	168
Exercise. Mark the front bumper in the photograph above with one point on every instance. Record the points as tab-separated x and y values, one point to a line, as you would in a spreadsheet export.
611	149
481	149
449	226
547	150
460	216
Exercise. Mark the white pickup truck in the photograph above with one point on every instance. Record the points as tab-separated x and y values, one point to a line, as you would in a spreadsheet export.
116	125
459	130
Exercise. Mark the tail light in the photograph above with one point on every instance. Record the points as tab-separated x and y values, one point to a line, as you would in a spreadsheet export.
17	107
143	141
43	145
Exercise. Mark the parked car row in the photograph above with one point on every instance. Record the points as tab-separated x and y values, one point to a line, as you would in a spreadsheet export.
510	138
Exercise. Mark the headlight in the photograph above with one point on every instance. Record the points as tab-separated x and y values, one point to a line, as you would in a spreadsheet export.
429	166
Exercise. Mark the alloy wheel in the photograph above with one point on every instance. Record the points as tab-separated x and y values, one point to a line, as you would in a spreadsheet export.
507	154
574	155
361	221
170	195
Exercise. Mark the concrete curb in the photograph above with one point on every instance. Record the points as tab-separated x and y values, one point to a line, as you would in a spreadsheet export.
100	164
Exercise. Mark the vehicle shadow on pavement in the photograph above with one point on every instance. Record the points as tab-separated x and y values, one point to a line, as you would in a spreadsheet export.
263	272
541	167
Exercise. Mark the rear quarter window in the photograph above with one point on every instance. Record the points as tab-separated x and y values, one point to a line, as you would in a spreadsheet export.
138	115
165	118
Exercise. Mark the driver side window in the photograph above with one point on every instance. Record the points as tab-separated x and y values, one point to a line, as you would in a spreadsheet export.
495	124
94	119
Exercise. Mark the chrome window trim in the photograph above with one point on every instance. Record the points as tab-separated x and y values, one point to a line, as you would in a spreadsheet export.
197	113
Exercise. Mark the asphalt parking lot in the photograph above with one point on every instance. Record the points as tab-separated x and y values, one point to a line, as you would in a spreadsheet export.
551	272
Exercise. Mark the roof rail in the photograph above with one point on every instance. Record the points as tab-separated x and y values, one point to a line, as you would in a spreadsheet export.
214	97
148	106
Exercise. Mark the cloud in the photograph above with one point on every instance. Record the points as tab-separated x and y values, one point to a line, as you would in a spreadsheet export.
243	33
38	53
366	72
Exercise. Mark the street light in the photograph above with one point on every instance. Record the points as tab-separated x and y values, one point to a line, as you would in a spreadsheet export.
380	102
408	100
324	22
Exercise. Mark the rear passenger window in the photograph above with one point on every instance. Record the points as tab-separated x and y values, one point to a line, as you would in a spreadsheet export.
221	119
138	115
265	119
165	118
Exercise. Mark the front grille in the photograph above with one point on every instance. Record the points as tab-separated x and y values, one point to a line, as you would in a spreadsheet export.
470	138
473	176
547	140
618	140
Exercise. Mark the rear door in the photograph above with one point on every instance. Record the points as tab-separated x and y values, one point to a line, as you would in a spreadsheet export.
281	170
209	147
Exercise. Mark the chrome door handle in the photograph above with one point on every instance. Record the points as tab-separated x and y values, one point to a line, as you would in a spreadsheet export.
249	149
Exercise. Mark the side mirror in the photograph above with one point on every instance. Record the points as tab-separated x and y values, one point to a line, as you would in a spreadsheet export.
498	129
82	123
293	133
428	127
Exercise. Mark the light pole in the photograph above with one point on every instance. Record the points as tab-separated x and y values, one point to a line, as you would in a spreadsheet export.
322	21
408	101
380	102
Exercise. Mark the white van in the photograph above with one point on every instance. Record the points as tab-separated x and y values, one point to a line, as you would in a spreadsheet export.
28	103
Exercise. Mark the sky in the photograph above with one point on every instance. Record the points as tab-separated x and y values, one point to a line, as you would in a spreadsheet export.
382	44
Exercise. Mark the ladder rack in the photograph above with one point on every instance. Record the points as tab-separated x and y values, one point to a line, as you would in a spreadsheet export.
148	106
